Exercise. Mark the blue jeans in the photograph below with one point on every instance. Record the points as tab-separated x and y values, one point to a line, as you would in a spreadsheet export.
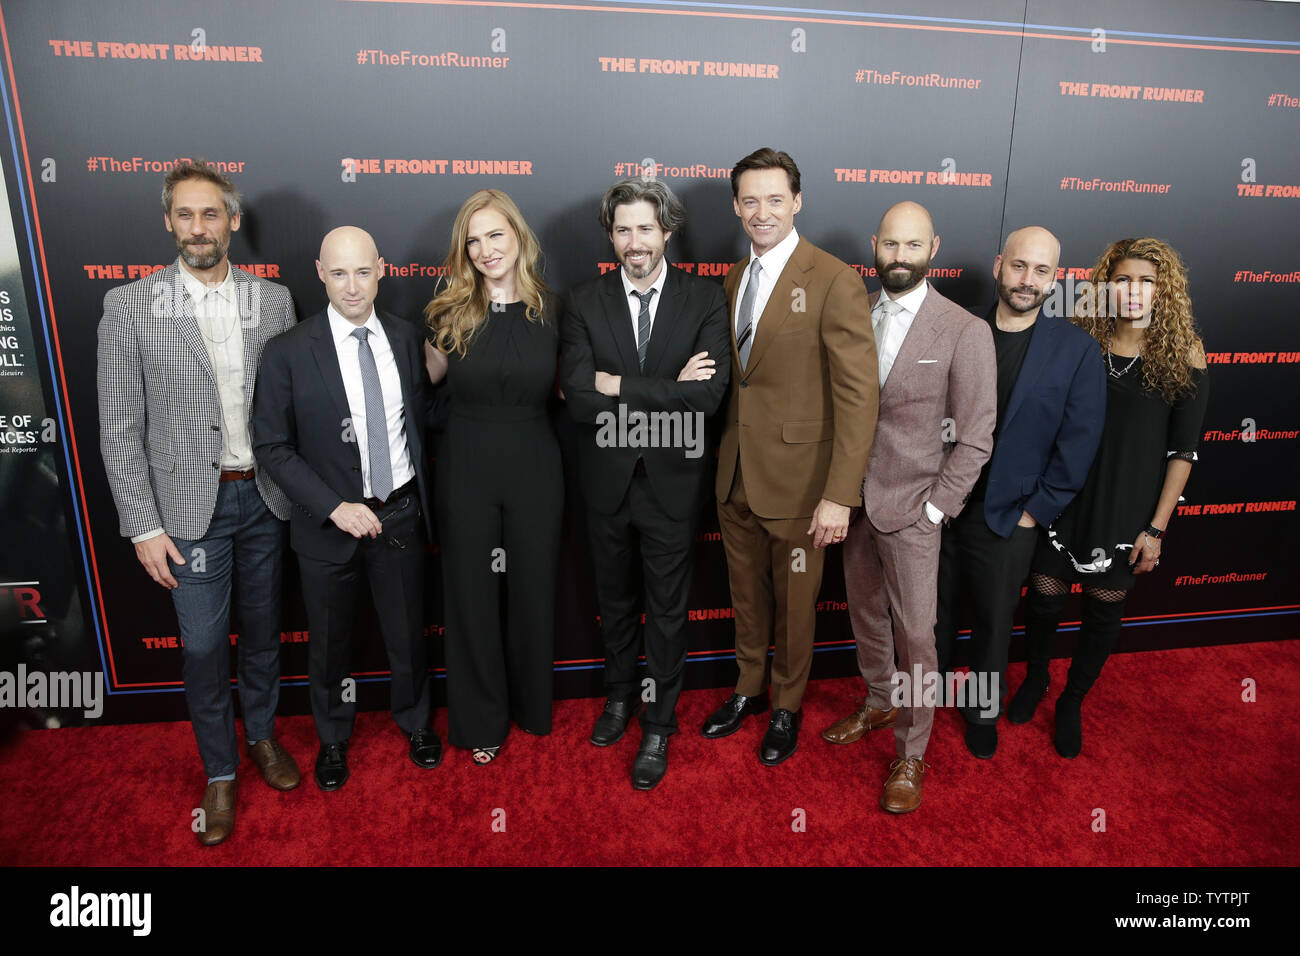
244	541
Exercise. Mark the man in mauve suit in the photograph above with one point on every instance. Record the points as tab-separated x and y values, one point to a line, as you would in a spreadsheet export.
340	414
938	404
645	342
800	418
178	361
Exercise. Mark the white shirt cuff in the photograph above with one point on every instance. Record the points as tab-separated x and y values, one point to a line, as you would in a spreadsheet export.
933	513
136	539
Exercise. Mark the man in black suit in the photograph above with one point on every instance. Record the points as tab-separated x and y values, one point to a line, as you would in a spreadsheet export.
645	360
339	417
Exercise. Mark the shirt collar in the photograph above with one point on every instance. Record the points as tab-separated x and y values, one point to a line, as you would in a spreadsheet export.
657	285
910	301
341	329
198	289
778	255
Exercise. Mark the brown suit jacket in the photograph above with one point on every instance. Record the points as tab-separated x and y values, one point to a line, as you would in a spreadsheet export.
800	417
938	407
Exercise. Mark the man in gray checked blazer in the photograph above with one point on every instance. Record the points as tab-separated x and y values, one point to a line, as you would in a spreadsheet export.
934	431
178	358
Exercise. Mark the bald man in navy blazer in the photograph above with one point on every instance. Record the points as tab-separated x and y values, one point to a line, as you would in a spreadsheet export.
1051	408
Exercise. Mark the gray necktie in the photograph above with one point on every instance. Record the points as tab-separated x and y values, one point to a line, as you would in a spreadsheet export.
881	317
381	469
643	325
745	317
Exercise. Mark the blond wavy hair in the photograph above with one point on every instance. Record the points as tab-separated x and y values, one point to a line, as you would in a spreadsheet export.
461	303
1171	346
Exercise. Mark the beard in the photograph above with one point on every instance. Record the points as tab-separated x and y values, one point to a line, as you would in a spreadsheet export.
648	268
892	282
202	255
1005	293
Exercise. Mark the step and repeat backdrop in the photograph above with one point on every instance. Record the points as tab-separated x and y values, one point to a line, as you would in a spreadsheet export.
1172	119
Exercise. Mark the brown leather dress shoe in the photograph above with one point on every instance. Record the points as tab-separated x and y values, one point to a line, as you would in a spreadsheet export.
855	726
218	812
903	788
278	768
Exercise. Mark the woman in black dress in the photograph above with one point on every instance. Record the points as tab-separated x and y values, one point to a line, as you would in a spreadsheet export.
500	490
1138	310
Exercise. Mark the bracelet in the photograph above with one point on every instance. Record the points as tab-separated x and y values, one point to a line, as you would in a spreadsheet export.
1153	532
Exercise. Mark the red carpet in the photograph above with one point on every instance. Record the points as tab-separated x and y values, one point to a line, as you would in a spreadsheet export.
1185	771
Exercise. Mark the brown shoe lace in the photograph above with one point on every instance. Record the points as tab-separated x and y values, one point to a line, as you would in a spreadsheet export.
911	767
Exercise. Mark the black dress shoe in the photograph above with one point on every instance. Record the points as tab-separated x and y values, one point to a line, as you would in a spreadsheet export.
982	740
651	761
781	739
426	748
726	719
332	766
612	722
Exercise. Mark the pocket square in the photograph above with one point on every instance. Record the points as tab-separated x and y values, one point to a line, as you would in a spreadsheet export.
926	361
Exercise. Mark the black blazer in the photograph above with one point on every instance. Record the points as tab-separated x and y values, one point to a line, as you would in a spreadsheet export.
596	335
300	410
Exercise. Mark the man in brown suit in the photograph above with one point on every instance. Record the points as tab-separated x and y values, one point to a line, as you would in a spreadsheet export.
938	405
800	417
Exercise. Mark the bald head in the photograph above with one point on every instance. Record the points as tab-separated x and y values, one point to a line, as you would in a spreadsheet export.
1026	268
908	217
1033	242
904	244
347	238
350	267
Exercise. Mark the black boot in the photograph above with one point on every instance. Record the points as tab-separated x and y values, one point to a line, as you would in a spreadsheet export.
1042	615
1097	635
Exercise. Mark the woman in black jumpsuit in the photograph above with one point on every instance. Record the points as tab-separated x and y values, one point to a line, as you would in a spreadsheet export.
499	486
1112	531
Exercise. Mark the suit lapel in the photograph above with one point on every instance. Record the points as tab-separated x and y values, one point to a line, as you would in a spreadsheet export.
1042	343
182	316
777	310
402	359
327	361
620	321
251	333
920	335
666	321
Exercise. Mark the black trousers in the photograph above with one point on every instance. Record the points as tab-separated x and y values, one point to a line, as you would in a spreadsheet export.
500	504
392	566
641	532
989	572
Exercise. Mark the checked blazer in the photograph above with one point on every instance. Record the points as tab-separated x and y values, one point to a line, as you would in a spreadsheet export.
159	412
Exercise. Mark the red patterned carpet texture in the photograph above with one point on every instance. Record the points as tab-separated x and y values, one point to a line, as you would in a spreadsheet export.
1177	769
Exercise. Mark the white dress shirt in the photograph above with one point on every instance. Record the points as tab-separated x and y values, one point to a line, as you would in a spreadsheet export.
347	346
216	310
899	325
634	305
771	264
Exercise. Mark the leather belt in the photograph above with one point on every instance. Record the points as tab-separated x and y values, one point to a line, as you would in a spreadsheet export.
396	493
237	475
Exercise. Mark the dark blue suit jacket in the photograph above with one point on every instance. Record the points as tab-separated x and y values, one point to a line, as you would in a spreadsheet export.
1051	429
300	410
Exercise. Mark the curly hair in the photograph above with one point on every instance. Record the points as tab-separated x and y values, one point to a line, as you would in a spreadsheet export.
461	303
1172	341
